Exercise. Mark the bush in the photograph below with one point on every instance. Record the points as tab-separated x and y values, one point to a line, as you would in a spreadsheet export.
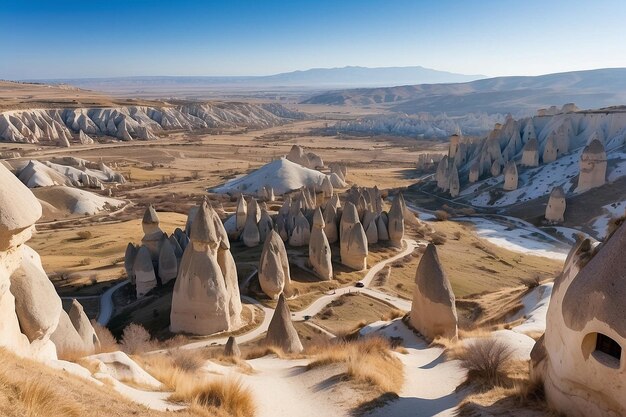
108	343
486	360
438	239
135	339
442	215
218	395
531	282
84	234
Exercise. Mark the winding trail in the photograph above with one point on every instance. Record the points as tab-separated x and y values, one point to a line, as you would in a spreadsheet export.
106	303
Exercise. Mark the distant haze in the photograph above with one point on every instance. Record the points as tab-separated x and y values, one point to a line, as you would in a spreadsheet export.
313	79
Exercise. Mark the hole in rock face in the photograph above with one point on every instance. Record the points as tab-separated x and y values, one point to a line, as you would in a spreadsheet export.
605	350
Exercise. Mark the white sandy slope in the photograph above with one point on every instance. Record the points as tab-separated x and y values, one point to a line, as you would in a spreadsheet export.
64	200
518	236
430	380
282	175
611	211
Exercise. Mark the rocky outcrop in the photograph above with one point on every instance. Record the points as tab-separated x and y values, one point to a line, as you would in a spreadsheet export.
134	122
251	236
168	264
395	226
143	270
85	139
231	349
241	213
129	261
454	184
592	166
83	327
510	176
555	209
301	234
530	153
353	247
580	357
30	309
201	303
66	339
433	312
281	332
319	249
153	235
274	276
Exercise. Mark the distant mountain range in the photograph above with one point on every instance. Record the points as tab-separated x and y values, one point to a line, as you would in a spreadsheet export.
312	79
588	89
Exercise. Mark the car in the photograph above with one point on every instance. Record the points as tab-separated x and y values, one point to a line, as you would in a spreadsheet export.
307	317
359	284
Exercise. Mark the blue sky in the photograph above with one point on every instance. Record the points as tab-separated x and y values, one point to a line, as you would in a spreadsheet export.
101	38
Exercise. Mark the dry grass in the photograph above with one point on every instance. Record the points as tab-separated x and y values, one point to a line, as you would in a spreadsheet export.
486	360
136	339
264	350
166	368
369	361
37	397
108	343
218	396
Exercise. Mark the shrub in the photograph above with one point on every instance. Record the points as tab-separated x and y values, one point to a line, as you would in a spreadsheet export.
486	359
438	238
531	282
108	343
135	339
219	395
442	215
84	234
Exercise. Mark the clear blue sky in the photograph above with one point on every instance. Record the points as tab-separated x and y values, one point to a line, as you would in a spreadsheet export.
101	38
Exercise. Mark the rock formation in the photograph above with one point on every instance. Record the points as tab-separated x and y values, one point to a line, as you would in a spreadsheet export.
274	266
530	153
129	261
330	223
495	169
281	332
592	166
550	151
442	175
66	339
153	235
83	327
580	358
30	309
433	312
265	224
327	187
168	264
454	184
85	139
231	349
301	234
395	226
201	300
353	247
241	213
555	209
510	176
143	270
136	122
474	173
319	249
251	236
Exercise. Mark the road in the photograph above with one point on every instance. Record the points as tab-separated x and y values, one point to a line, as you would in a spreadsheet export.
318	305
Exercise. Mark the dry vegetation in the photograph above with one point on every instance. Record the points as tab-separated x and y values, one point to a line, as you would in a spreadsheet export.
368	361
224	397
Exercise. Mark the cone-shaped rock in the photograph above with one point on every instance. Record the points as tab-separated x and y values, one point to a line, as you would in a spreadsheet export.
143	270
301	234
231	349
510	176
153	235
201	301
251	236
381	227
349	217
433	312
395	227
129	261
371	232
274	266
354	248
319	249
330	223
555	209
281	332
66	338
83	327
241	213
265	224
592	166
168	264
